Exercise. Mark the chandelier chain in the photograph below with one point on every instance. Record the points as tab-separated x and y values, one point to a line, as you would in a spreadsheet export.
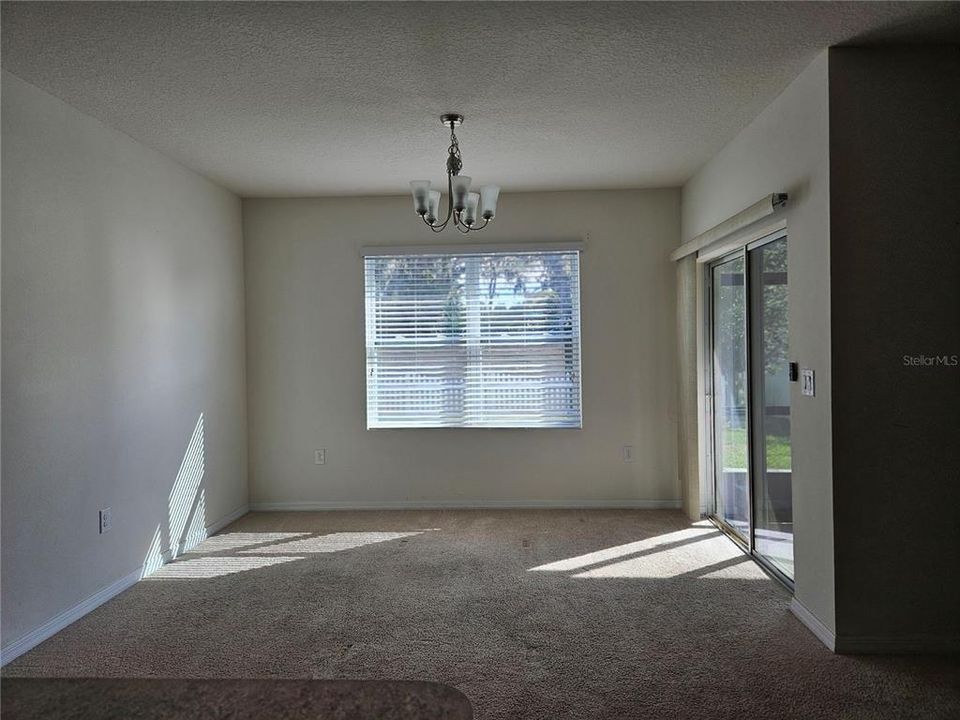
454	159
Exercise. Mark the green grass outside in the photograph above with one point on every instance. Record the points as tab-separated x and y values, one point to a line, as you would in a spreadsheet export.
735	447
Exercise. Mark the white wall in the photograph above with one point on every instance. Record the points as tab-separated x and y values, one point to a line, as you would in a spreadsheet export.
786	148
122	324
305	360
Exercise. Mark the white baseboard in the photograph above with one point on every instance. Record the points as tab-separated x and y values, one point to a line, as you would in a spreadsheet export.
465	505
70	615
220	524
59	622
196	538
813	623
875	645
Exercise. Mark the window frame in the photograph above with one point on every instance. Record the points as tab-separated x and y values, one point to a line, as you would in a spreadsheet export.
371	252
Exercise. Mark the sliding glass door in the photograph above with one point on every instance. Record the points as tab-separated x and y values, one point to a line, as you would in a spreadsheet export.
773	511
730	421
750	394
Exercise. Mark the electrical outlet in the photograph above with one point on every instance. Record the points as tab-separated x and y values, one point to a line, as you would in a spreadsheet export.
320	457
628	456
106	520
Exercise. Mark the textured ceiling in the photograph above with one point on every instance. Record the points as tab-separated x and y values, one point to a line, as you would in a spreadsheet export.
340	98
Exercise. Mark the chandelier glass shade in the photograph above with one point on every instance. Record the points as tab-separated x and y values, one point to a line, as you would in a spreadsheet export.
467	211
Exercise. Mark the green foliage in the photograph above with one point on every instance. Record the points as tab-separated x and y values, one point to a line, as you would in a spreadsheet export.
771	315
775	335
734	450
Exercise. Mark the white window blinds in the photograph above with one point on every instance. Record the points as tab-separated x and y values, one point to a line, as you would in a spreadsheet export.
486	339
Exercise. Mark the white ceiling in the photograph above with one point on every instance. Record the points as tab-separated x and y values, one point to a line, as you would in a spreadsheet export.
343	98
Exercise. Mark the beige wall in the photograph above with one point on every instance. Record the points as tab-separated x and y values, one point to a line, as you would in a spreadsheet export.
305	360
688	450
786	149
122	323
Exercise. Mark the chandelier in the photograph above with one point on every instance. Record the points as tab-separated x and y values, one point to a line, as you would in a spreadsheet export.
463	206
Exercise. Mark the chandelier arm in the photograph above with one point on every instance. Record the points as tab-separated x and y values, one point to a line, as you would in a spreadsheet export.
435	228
441	226
474	228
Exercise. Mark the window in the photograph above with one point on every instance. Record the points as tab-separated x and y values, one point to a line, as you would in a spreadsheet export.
474	339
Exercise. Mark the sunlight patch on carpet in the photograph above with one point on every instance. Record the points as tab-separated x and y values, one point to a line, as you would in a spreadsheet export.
710	557
657	543
334	542
237	540
211	567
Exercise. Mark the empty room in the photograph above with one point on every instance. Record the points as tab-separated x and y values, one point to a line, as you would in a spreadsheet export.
495	360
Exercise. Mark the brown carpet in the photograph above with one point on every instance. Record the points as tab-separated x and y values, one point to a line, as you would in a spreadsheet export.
671	621
219	698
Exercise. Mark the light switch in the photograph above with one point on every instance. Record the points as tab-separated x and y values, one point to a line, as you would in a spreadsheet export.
806	382
106	520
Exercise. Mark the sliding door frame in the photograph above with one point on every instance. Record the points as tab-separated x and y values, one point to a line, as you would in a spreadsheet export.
746	543
754	445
